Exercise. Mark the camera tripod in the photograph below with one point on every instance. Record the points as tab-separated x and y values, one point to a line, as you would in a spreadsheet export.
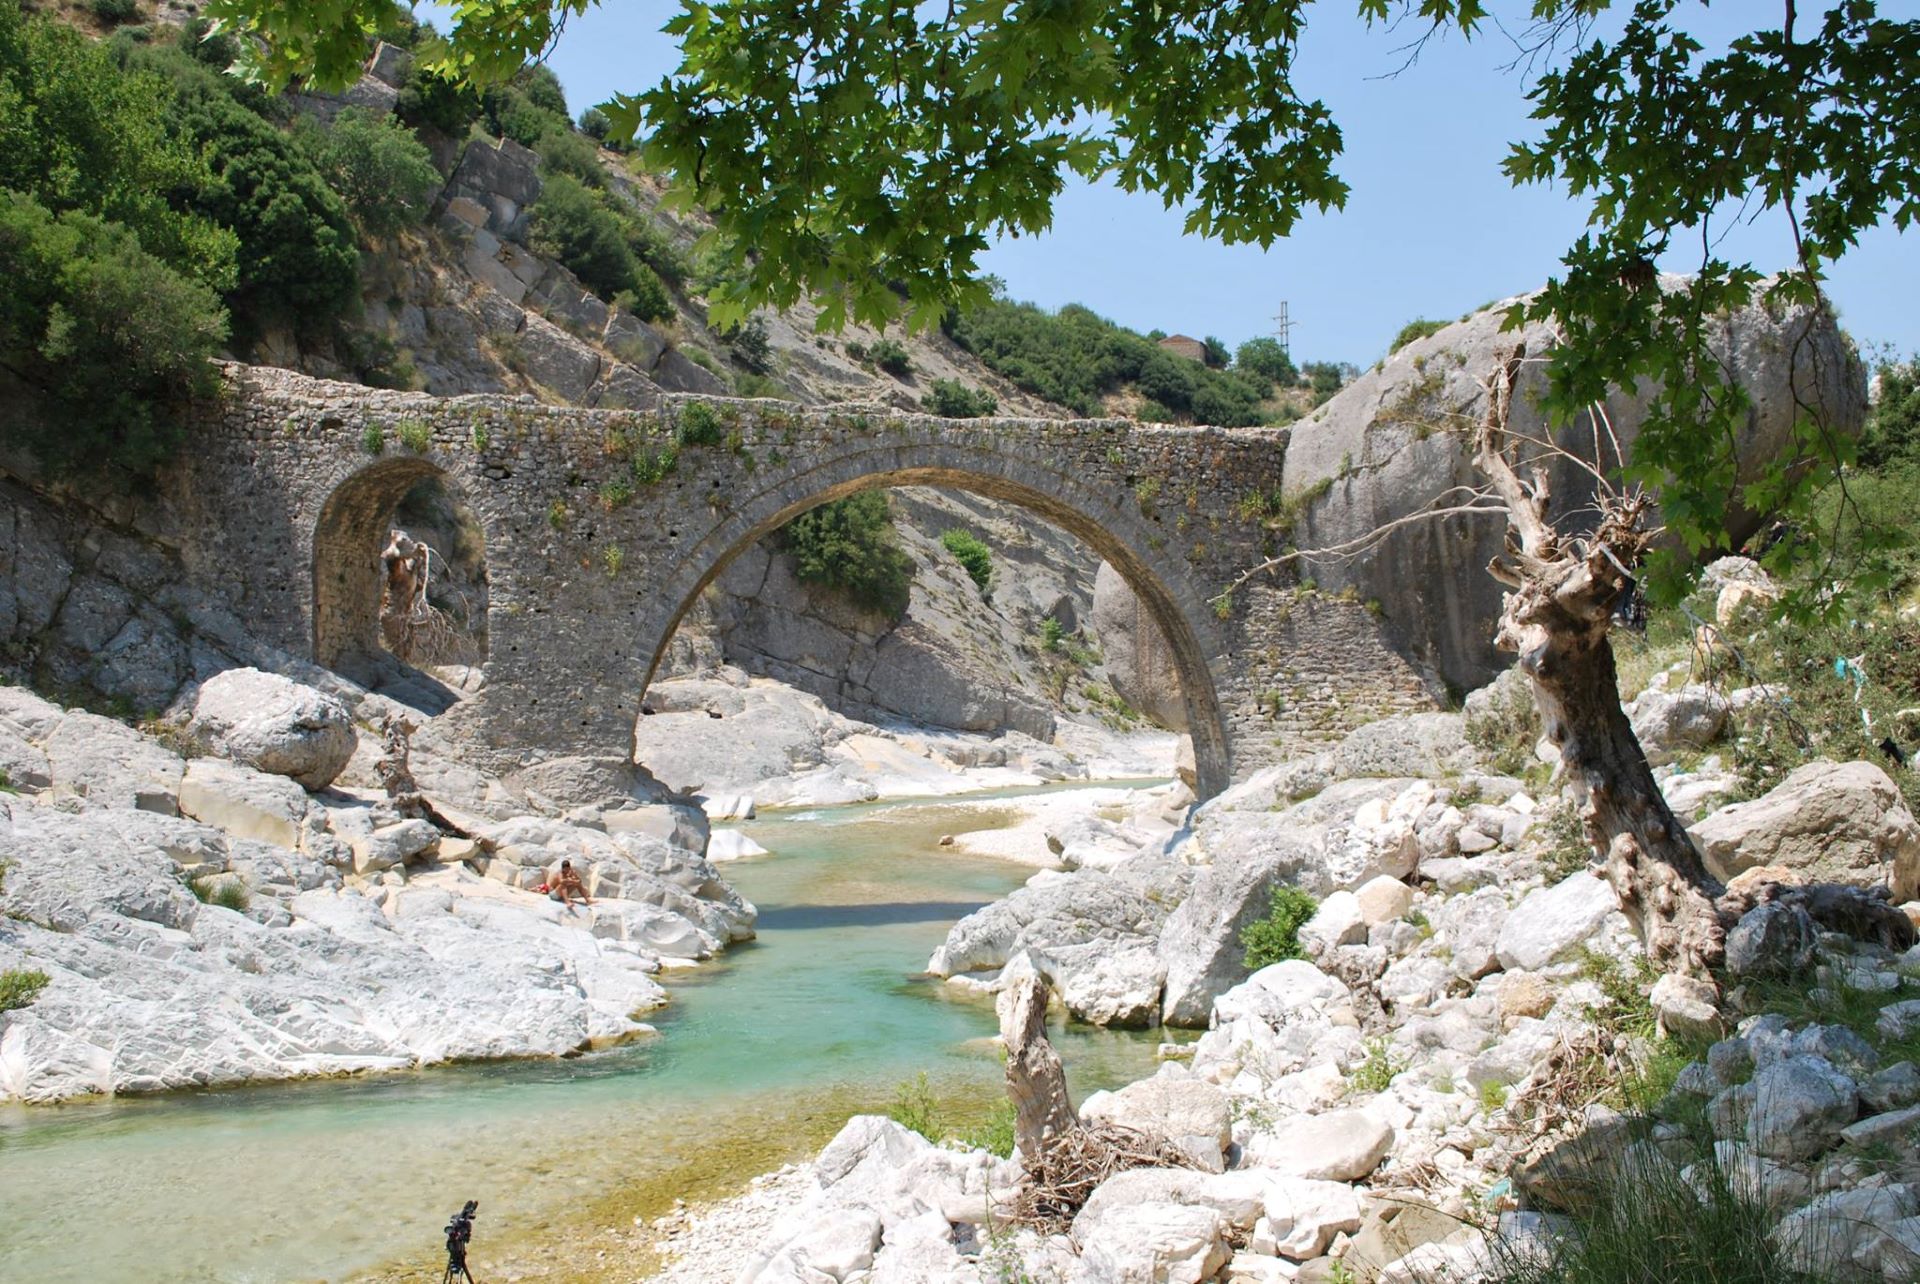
456	1271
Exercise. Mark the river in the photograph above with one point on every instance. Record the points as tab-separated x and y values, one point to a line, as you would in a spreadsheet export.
761	1056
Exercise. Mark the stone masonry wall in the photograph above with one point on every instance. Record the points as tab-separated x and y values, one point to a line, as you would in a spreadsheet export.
592	561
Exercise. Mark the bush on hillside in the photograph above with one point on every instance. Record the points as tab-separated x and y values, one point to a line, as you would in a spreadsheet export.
383	173
298	257
1326	378
526	108
891	357
1076	358
110	337
749	344
1264	358
430	99
115	11
562	151
974	557
951	399
79	133
1418	328
595	124
1893	429
575	225
849	544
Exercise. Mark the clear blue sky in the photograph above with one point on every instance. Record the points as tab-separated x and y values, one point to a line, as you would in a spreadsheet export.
1432	227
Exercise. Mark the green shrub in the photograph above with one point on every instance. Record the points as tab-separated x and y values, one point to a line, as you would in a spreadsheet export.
1051	632
19	987
1076	358
750	345
115	11
572	224
227	891
298	258
1638	1220
1377	1069
415	436
431	100
111	339
699	425
951	399
562	151
383	173
1264	358
595	124
1326	378
891	357
596	241
650	467
79	133
1276	938
1419	328
975	556
995	1133
373	439
913	1107
849	544
1893	429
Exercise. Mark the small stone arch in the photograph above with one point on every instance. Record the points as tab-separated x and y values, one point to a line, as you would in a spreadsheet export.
349	535
1104	524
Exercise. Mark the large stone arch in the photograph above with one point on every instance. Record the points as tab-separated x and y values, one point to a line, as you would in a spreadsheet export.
1108	523
348	536
591	561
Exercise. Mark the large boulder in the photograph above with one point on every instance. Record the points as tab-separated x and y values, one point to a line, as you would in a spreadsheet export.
1832	822
1551	921
1669	722
1068	910
1140	664
274	724
1381	450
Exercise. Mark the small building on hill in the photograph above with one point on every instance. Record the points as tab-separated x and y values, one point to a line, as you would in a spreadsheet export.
1182	346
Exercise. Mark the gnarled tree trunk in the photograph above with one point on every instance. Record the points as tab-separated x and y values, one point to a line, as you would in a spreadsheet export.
1556	618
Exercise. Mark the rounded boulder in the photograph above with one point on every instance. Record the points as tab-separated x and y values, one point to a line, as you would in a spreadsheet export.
274	724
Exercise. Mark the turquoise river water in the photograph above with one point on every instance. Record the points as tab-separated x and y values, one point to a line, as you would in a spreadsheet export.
761	1055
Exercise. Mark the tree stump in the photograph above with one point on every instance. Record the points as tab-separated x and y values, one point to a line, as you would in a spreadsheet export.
1035	1079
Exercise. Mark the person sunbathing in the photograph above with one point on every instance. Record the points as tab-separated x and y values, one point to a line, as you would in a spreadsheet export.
566	885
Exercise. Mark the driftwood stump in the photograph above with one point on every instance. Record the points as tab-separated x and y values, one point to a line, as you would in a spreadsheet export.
1035	1079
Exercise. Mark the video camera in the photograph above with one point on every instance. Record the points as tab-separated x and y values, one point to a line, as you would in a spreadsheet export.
459	1235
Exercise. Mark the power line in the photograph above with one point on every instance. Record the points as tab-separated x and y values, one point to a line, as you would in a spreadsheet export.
1283	330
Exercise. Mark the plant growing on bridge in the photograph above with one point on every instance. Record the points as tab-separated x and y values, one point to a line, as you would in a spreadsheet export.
414	435
373	439
699	425
650	467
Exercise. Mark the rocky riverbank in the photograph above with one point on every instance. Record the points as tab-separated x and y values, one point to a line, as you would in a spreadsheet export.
244	892
1469	1057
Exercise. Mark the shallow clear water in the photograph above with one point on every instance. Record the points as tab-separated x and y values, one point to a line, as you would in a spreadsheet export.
762	1055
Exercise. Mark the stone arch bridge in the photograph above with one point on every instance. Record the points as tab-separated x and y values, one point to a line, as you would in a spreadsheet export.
284	501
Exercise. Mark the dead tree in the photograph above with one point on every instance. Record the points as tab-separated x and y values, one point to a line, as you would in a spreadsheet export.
1556	618
1035	1079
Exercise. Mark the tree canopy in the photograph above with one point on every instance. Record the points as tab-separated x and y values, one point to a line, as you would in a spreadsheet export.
863	153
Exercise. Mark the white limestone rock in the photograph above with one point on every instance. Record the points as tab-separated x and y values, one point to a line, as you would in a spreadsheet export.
1551	921
1833	822
274	724
1157	1243
1340	1145
1174	1106
243	802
